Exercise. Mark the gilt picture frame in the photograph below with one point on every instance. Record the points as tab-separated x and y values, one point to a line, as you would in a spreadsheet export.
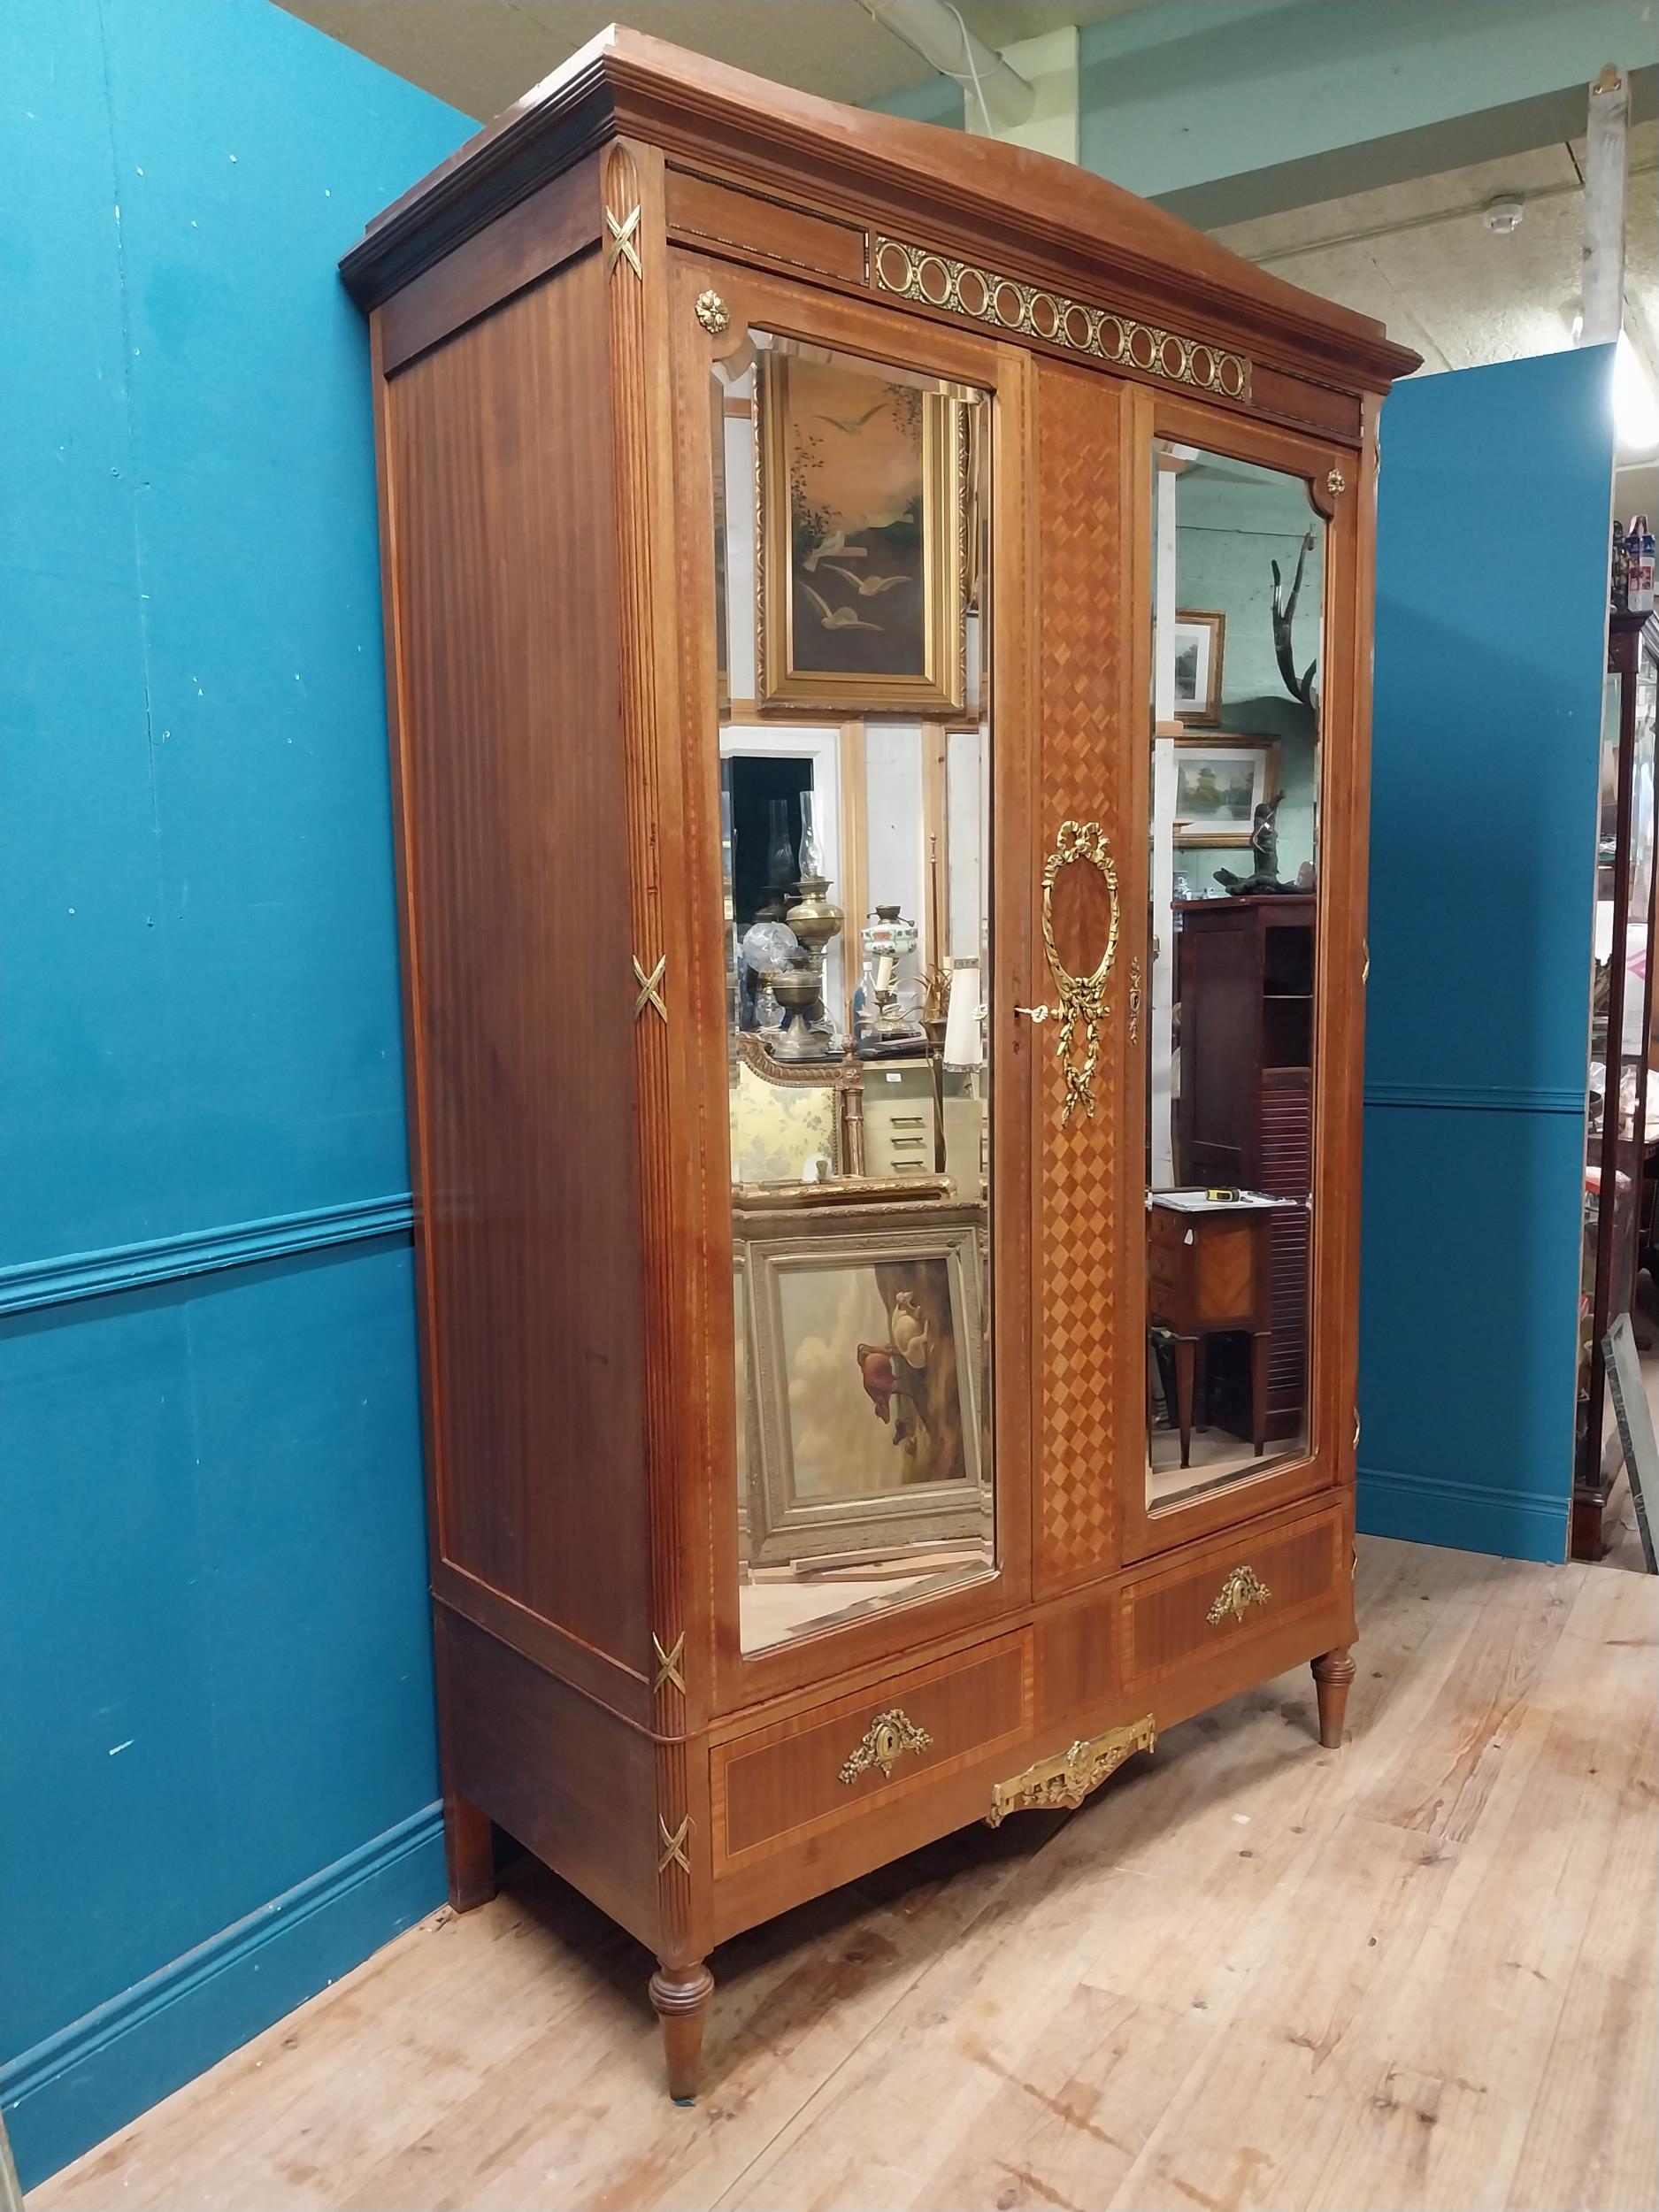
1219	782
860	570
810	1282
1200	644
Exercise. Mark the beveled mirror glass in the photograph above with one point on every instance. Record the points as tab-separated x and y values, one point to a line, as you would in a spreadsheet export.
854	757
1233	934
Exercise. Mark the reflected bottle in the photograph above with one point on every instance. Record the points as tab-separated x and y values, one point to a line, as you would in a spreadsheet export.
811	841
781	876
815	918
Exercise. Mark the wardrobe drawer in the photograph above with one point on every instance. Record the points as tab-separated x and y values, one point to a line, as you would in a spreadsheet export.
837	1762
1243	1588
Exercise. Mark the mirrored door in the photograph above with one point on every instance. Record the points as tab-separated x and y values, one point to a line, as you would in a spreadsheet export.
1232	957
853	752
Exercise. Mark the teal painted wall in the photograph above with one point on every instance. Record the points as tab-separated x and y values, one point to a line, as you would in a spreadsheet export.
934	100
1490	646
216	1731
1228	534
1226	108
1179	95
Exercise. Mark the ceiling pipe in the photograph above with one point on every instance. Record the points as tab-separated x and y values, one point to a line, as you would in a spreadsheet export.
934	29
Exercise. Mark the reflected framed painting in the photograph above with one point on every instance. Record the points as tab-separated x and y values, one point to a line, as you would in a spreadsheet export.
866	1357
1200	643
860	578
1219	782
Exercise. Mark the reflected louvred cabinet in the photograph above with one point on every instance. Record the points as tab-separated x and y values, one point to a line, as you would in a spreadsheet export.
864	605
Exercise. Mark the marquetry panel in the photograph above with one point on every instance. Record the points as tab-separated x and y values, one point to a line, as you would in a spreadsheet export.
1227	1276
1081	777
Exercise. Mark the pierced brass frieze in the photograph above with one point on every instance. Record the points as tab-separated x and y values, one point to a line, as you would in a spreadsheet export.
668	1664
1242	1589
1067	1778
673	1851
982	296
889	1737
651	988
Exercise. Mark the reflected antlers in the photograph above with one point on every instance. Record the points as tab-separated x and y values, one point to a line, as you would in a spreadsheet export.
1305	687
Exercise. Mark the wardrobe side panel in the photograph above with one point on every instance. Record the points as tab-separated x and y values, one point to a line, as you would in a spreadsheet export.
517	939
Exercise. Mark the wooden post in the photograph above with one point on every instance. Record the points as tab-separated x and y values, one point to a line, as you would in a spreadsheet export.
1604	209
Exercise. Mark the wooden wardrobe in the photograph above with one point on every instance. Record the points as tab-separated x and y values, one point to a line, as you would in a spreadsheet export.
785	1516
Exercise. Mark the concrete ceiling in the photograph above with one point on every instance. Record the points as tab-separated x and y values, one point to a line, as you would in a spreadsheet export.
480	55
1421	257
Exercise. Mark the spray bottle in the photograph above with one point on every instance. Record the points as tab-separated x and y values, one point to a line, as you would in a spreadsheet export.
1640	542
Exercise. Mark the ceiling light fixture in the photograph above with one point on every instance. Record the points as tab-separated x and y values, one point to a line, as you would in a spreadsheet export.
1503	218
1635	403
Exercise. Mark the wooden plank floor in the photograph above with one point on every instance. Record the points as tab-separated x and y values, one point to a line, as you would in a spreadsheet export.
1420	1971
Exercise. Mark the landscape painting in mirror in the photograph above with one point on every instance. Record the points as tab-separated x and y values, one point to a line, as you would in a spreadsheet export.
1219	786
1201	640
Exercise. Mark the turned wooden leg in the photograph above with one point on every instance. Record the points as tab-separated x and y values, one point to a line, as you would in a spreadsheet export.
469	1852
1260	1353
681	1995
1333	1671
1186	1351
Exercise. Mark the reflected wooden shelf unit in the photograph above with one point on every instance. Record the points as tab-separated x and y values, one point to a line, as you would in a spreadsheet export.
554	314
1246	993
1621	1039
